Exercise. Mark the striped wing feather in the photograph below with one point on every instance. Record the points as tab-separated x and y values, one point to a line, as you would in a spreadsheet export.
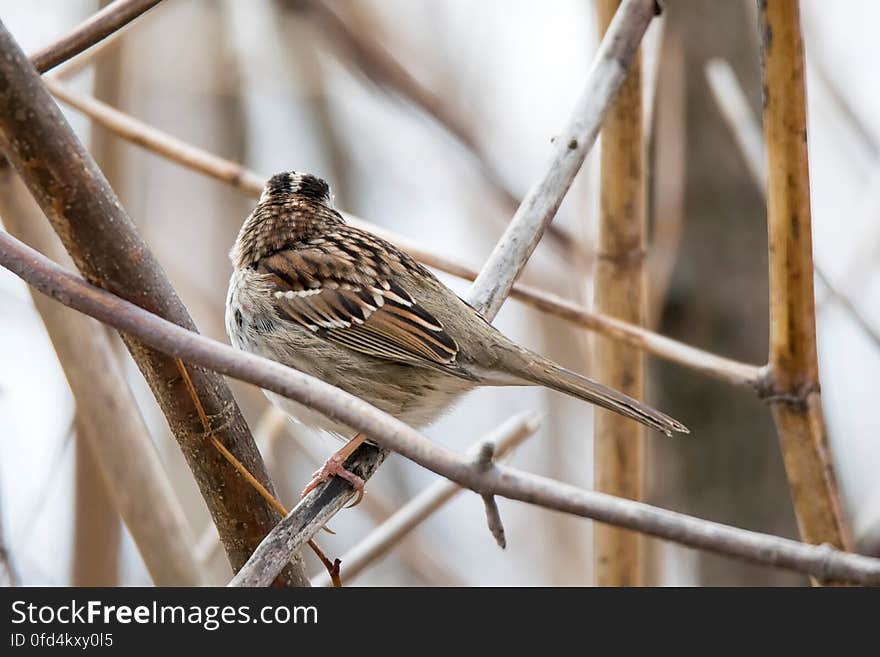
348	299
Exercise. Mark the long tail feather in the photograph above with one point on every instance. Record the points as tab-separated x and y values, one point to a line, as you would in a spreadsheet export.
570	383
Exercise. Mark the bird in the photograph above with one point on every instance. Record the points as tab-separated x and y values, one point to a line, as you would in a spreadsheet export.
331	300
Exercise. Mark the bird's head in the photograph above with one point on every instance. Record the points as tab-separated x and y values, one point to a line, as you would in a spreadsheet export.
293	207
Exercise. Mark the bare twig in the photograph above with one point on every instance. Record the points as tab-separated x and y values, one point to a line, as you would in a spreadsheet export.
400	524
100	237
619	291
792	385
493	520
113	17
251	183
735	107
823	562
108	416
484	463
574	141
160	143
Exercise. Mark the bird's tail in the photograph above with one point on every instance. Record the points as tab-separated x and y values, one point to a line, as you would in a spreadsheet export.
535	369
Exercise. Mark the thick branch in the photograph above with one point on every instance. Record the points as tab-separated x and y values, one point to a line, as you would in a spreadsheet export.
793	377
176	150
113	17
574	141
108	416
619	291
823	562
104	245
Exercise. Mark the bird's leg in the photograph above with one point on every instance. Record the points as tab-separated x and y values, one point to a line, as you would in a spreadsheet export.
333	467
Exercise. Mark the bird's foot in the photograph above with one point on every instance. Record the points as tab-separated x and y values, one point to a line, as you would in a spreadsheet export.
333	468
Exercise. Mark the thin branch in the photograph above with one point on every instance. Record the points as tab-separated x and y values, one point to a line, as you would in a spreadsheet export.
483	461
126	457
176	150
162	144
738	115
104	245
92	56
574	141
399	525
792	386
823	562
113	17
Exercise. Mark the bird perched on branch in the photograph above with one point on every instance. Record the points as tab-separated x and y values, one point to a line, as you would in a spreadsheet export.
351	309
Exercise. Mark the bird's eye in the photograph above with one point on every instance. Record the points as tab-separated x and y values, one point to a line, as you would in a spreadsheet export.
239	320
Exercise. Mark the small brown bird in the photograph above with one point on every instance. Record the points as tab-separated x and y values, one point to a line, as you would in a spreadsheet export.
341	304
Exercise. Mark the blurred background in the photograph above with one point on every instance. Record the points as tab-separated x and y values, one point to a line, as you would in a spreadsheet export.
435	149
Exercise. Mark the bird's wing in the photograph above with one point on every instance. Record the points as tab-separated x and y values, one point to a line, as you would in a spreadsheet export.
346	292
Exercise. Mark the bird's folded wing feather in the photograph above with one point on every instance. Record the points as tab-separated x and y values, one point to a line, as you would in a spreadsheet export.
351	298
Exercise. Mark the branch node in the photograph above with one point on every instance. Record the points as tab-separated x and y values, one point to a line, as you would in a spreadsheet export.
769	390
483	462
828	553
493	519
485	455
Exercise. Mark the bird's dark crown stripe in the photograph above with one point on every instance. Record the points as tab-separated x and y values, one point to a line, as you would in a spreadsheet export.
302	184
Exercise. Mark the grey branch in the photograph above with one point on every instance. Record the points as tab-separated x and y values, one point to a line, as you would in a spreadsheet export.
311	513
386	536
538	208
493	519
483	461
111	18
